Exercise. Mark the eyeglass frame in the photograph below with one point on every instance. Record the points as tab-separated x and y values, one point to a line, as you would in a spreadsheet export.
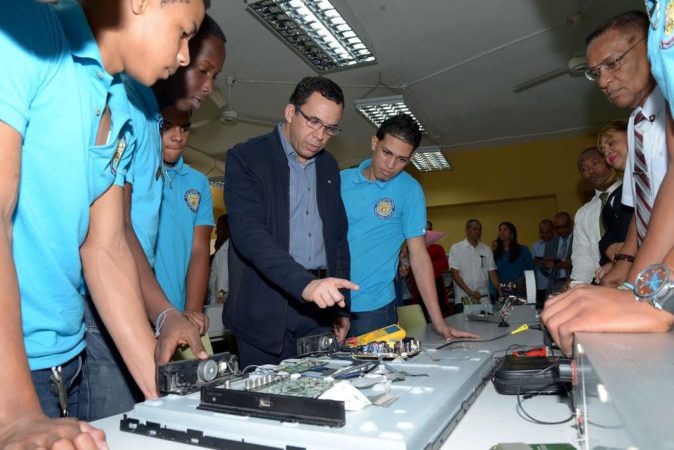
315	124
615	63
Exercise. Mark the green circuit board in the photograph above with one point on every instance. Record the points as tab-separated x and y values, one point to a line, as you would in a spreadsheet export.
301	366
308	387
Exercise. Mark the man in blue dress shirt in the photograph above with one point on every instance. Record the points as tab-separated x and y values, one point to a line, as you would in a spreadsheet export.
288	256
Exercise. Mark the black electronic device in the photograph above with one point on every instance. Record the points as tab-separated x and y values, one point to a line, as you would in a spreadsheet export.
281	397
317	343
185	377
528	375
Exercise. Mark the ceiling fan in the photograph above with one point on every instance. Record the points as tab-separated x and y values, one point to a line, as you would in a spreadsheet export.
226	112
575	67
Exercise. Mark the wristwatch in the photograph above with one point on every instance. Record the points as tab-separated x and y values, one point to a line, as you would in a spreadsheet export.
655	284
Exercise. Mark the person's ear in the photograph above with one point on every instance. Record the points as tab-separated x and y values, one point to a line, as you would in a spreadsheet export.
374	141
289	112
139	6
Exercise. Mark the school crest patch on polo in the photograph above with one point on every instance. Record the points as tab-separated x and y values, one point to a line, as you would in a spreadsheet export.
384	208
667	39
193	199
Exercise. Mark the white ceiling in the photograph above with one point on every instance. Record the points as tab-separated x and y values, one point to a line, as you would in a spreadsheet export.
455	61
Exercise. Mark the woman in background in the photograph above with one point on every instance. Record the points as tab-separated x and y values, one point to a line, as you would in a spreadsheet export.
511	258
612	143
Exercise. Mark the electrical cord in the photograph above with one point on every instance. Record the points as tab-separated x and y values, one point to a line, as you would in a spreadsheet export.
240	372
520	329
510	347
527	416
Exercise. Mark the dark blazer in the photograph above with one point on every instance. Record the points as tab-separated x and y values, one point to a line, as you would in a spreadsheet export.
550	251
616	217
263	277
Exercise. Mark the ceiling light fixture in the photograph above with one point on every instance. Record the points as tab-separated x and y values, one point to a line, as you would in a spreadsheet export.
428	159
376	110
315	30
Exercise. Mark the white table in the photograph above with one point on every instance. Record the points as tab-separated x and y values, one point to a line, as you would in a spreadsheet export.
490	420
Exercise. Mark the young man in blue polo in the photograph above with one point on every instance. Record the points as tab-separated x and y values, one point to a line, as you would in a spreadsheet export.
108	388
185	220
386	206
63	112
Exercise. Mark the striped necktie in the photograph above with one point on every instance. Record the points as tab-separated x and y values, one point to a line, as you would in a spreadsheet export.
602	198
561	254
642	184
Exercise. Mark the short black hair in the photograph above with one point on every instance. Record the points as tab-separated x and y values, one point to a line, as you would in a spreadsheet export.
470	222
210	27
324	86
564	214
630	21
585	154
547	222
403	127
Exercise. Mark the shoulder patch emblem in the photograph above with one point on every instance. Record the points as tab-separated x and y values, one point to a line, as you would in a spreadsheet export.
193	199
667	40
384	208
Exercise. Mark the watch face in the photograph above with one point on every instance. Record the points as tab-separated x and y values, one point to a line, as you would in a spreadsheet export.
651	281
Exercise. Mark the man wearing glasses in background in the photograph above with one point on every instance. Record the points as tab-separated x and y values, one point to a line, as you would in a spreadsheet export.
618	60
289	260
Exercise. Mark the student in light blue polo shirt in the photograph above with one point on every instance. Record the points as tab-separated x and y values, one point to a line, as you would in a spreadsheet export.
54	120
108	387
385	206
185	221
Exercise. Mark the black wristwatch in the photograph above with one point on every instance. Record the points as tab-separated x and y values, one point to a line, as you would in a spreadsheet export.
655	284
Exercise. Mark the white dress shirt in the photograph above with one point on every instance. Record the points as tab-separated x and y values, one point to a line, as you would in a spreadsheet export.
473	264
219	277
586	236
655	146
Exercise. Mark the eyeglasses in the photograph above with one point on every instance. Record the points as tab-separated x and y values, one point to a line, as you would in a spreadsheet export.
316	124
611	65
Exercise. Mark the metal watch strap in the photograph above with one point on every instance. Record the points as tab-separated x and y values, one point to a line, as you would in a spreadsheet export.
655	284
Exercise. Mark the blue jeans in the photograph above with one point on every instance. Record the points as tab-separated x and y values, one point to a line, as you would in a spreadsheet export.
107	386
48	393
366	321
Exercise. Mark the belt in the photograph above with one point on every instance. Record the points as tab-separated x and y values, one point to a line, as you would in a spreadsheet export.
318	273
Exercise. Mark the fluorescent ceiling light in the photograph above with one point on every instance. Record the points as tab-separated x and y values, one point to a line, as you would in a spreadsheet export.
427	159
376	110
315	30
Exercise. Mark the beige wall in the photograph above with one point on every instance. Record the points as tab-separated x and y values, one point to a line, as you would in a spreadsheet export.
521	184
